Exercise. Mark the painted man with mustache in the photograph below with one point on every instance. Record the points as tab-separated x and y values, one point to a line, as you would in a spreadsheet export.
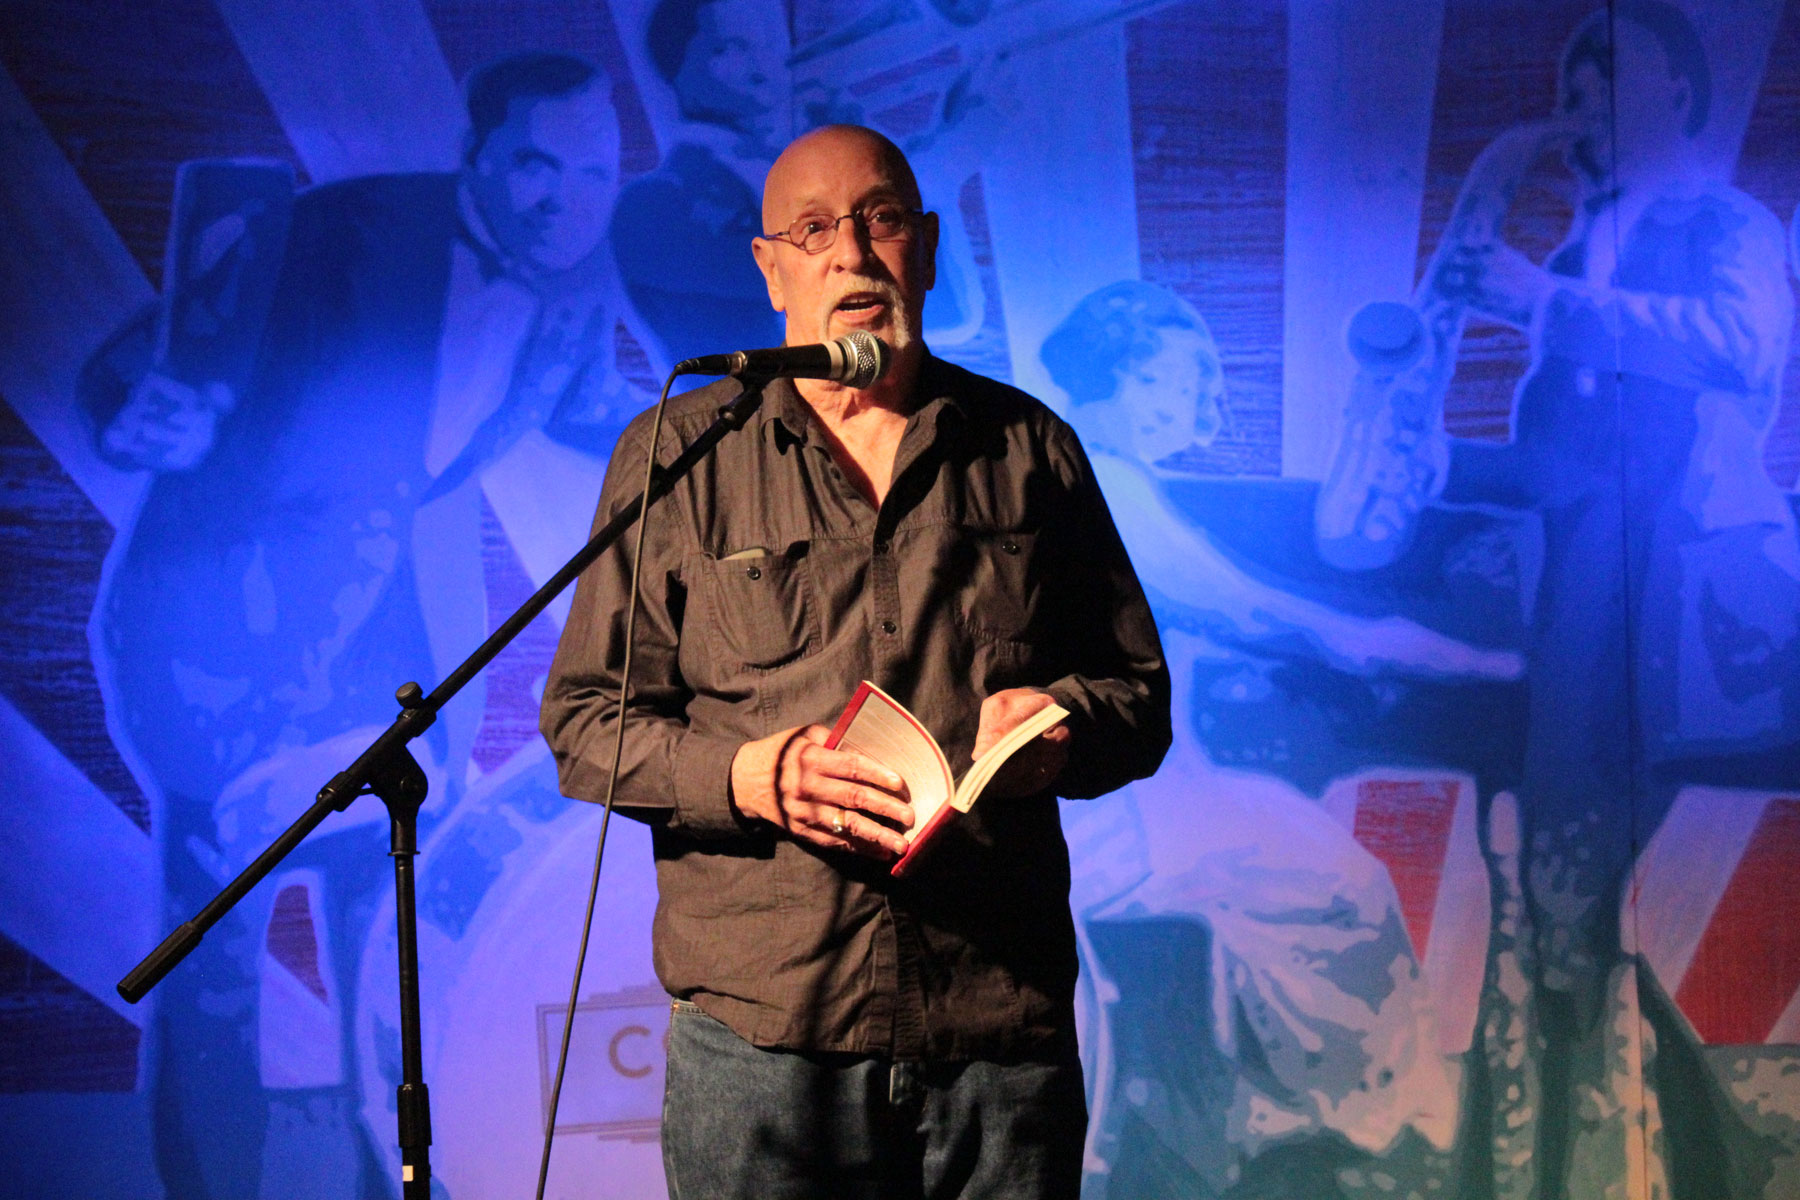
836	1031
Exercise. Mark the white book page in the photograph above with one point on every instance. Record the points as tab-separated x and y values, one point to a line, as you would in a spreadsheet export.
884	731
989	763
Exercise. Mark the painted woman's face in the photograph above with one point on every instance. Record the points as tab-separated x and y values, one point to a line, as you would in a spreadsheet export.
1170	400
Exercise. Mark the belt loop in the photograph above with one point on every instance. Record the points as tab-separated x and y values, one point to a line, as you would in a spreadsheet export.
903	1085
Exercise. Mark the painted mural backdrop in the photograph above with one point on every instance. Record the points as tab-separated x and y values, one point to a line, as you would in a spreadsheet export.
1434	356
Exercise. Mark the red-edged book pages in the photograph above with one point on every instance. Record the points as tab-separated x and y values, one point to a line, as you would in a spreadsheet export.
877	726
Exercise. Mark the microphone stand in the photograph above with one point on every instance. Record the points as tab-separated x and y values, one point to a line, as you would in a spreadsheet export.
388	770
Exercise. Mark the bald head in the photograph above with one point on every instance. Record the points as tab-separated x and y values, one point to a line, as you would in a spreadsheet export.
841	178
832	150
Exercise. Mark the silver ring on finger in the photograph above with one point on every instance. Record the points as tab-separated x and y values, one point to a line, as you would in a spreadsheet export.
837	822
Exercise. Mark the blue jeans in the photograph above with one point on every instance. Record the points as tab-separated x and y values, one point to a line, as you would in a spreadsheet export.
741	1121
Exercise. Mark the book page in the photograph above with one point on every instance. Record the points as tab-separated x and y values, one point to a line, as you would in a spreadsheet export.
883	730
985	767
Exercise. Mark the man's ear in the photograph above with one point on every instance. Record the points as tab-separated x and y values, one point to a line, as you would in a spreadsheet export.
928	244
764	253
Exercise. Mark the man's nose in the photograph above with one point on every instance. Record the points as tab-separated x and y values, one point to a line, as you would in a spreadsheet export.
850	249
551	200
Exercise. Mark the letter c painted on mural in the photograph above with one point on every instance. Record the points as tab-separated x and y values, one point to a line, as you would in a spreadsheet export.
612	1052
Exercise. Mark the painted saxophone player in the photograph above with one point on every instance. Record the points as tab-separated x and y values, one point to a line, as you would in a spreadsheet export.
1662	645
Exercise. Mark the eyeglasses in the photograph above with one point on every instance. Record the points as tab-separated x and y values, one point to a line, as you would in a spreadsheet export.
882	222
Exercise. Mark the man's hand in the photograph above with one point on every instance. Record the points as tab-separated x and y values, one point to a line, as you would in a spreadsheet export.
836	799
1038	762
1495	280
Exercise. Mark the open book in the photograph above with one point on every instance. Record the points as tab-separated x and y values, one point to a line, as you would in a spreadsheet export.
878	726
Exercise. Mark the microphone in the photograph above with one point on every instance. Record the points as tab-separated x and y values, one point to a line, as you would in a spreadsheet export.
855	360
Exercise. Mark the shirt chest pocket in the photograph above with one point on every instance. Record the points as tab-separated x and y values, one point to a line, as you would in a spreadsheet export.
758	607
1001	597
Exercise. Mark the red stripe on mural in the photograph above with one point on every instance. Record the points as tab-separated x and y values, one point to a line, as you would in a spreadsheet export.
1406	824
293	941
1747	966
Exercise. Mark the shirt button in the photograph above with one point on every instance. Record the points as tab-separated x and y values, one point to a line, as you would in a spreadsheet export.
888	627
754	572
1010	546
881	547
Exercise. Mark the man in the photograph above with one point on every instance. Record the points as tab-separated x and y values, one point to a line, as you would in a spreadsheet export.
313	538
1662	643
837	1032
1660	332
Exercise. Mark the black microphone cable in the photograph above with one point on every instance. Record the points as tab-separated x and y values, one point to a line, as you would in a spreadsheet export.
612	783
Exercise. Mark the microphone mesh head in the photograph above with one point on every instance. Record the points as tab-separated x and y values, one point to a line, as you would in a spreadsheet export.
869	357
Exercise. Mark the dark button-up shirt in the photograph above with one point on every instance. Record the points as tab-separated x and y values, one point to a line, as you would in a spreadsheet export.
771	587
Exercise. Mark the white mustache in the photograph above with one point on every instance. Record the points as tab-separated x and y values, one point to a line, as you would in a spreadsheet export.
901	331
888	293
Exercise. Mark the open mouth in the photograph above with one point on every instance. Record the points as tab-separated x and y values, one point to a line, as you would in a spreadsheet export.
860	303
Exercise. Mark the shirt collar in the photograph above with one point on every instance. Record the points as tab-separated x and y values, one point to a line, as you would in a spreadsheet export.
940	398
782	404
